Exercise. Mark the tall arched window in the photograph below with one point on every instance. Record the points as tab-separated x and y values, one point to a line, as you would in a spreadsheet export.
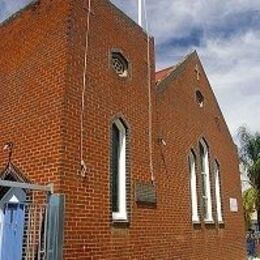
205	177
118	171
218	192
193	187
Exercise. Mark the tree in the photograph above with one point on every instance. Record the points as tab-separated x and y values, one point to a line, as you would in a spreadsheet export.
249	199
249	153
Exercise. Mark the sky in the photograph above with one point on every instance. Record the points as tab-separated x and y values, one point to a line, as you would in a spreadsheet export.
9	7
226	34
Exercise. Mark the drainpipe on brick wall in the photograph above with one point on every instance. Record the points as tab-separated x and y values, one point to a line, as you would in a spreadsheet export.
83	167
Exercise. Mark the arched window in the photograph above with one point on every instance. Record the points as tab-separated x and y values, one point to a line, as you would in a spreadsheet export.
199	98
193	187
118	171
205	177
218	192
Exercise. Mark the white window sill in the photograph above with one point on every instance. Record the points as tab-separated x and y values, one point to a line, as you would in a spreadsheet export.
195	219
119	220
116	217
209	222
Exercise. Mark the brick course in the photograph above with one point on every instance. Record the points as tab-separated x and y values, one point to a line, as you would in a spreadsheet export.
41	68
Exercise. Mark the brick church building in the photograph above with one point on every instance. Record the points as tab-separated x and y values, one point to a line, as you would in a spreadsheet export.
144	159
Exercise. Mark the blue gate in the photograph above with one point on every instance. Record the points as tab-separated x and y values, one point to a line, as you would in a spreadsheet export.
14	214
31	227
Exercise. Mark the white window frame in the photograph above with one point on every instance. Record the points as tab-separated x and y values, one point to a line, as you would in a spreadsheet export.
193	187
206	176
121	215
218	192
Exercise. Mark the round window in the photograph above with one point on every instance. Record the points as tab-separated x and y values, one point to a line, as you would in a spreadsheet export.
119	64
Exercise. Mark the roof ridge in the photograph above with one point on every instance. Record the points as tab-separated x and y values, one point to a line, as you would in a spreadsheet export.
167	68
172	68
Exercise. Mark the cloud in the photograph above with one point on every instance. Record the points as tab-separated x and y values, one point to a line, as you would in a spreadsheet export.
9	7
180	17
233	68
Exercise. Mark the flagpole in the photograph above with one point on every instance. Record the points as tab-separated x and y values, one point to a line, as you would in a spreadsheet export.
140	12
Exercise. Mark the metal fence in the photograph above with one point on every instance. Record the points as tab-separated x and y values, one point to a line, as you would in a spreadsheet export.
33	228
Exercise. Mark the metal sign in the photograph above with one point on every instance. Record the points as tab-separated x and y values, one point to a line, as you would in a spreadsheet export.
233	205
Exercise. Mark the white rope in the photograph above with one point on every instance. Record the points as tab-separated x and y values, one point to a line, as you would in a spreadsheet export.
82	163
149	96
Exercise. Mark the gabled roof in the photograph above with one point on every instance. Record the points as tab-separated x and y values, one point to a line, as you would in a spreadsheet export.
164	74
168	75
11	173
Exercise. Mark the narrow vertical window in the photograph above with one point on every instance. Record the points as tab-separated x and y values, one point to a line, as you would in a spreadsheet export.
193	187
218	192
118	171
205	177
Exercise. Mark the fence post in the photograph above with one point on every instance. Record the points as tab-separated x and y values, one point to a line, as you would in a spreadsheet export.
55	227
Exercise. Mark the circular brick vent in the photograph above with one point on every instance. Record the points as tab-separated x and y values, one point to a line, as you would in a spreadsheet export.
119	64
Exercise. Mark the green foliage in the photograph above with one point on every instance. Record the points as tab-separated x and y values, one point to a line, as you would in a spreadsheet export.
249	202
249	153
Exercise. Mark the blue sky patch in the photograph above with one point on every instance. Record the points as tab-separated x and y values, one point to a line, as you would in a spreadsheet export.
9	7
236	24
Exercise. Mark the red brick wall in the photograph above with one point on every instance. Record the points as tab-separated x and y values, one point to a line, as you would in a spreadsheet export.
107	96
182	123
41	91
32	76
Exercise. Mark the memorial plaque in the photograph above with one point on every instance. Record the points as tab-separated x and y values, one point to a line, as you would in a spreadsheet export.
145	193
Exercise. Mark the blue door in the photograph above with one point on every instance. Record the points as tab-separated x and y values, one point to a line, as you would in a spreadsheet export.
13	231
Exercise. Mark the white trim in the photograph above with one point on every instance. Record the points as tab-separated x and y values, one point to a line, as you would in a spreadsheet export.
206	176
193	187
122	213
218	193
